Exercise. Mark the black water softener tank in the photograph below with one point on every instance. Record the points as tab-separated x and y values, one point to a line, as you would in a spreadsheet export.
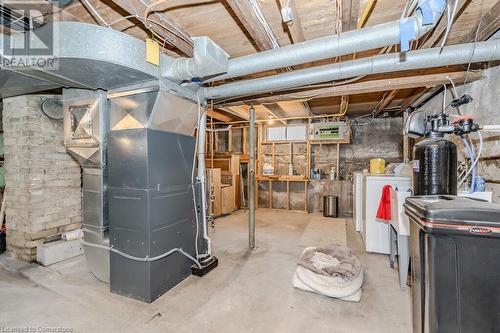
435	166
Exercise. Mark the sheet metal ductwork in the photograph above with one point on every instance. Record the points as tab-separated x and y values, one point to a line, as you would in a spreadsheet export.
393	62
425	18
93	57
86	127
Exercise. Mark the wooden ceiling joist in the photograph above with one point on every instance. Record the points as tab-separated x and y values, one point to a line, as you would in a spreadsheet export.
246	14
408	101
350	9
366	13
435	36
295	25
276	111
433	39
484	28
385	102
239	111
219	116
172	33
243	10
489	24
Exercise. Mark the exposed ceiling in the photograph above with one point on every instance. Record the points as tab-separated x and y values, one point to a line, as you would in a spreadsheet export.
235	27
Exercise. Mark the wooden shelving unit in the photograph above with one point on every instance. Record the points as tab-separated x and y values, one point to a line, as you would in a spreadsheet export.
280	154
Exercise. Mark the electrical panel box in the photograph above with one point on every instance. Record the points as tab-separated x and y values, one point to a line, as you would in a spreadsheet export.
328	130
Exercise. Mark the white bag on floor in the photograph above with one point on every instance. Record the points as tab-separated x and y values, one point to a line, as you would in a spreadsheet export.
356	297
341	277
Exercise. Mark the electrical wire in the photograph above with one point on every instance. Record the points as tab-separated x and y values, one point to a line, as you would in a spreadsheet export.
408	9
95	12
475	43
454	93
443	107
150	9
146	258
262	20
451	18
125	18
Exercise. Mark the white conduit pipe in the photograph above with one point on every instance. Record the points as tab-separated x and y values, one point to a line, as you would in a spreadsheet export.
202	131
427	58
368	38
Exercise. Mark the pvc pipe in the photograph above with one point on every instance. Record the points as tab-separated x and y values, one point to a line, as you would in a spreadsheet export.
251	181
490	128
426	58
355	41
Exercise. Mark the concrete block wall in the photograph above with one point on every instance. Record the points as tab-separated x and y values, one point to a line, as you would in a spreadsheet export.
43	182
485	110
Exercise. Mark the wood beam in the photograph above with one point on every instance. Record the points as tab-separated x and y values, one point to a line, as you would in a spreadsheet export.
436	34
244	12
295	25
417	93
366	13
386	100
240	111
173	34
489	25
347	11
219	116
433	39
364	87
276	111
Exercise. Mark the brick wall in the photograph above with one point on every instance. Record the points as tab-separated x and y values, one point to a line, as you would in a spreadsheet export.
43	182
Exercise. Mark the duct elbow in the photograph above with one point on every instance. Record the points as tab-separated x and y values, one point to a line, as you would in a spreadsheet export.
208	60
427	15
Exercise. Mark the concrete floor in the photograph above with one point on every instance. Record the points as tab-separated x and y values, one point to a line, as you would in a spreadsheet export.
249	292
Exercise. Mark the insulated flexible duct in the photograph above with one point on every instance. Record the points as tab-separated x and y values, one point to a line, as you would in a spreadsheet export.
394	62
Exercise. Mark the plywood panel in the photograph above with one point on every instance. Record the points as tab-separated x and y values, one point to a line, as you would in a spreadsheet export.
214	186
228	200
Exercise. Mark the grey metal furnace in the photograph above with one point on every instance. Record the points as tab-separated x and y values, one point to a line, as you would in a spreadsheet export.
143	220
152	216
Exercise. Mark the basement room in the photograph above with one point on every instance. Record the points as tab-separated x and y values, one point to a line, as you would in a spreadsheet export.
250	166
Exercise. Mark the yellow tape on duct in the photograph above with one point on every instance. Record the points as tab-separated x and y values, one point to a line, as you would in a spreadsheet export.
152	52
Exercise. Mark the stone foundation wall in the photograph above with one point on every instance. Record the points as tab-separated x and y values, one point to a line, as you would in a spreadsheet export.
43	182
485	110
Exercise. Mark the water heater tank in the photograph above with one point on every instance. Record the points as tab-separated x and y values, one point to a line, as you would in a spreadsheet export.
435	167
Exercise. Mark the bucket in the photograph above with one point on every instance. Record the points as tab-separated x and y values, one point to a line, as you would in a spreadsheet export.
377	166
330	206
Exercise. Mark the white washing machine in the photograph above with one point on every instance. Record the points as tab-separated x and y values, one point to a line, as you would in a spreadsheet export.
375	233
